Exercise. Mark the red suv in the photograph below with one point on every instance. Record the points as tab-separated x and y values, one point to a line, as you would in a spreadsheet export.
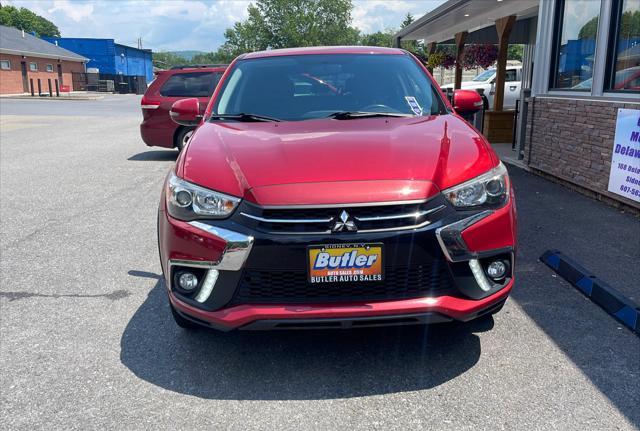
334	188
169	86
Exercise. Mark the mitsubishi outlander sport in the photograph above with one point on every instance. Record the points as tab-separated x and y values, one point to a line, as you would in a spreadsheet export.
334	188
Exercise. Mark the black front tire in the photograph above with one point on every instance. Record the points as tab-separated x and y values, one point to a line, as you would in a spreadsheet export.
182	137
182	322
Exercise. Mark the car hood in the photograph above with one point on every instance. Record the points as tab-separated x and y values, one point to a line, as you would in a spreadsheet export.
325	161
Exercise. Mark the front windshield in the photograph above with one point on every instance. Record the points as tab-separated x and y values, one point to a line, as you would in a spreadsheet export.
303	87
485	76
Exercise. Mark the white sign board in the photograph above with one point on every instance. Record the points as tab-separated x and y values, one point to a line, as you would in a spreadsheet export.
624	178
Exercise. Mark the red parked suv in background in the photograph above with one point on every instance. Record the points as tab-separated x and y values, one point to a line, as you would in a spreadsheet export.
169	86
334	188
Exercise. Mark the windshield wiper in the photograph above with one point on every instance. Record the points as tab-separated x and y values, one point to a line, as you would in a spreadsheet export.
243	117
348	115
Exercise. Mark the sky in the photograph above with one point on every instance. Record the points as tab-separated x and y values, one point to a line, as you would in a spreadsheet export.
189	25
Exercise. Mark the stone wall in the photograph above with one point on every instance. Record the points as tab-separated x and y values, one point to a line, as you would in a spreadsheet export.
572	140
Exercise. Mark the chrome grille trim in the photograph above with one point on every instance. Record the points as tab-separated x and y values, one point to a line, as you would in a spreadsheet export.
416	214
389	229
280	220
346	205
409	215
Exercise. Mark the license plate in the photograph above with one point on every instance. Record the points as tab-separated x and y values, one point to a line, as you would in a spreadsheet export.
339	263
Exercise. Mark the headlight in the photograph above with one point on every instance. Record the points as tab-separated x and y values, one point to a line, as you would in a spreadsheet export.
187	201
488	190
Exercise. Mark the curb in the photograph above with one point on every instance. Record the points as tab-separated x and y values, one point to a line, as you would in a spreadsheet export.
609	299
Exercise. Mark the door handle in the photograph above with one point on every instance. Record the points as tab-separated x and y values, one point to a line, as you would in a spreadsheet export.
513	87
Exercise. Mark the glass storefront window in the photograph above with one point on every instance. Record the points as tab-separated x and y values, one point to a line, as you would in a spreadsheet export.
576	30
624	66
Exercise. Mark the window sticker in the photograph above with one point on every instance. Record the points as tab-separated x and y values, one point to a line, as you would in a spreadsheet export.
413	104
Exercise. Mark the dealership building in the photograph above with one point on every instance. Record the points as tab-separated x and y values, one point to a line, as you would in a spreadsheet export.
578	120
28	62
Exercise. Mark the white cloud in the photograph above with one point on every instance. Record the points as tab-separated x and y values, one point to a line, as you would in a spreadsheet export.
229	11
75	11
379	15
189	24
187	10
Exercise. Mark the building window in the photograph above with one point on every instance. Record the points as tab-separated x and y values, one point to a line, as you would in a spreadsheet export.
33	67
5	65
49	67
576	28
623	73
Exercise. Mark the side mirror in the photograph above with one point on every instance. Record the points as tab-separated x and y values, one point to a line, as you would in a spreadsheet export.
466	101
186	112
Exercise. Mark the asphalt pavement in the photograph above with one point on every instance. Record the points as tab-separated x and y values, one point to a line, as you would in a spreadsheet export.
87	341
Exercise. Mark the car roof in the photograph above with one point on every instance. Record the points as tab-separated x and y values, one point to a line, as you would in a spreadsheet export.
199	66
323	50
191	68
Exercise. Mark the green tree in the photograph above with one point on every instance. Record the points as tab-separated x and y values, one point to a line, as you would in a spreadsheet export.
246	36
166	60
28	21
515	52
630	25
385	38
589	30
291	23
410	45
379	38
211	58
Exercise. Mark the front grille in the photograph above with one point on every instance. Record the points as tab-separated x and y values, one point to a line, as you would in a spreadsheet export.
368	218
260	287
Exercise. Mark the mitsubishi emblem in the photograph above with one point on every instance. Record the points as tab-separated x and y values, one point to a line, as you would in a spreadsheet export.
344	223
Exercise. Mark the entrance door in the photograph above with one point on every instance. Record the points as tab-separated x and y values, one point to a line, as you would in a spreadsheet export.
25	78
60	74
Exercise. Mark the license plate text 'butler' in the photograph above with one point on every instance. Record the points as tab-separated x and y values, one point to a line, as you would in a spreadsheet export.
338	263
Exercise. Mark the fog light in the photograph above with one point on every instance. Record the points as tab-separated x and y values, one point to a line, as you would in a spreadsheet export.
187	281
497	269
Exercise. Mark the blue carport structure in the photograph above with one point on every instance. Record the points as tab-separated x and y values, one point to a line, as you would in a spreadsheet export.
109	57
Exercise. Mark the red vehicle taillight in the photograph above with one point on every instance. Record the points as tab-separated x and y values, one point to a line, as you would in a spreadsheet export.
145	103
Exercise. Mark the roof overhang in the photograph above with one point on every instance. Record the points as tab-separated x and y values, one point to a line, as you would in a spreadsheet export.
455	16
41	55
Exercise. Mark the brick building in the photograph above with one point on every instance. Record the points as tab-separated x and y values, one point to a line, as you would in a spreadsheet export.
579	121
25	58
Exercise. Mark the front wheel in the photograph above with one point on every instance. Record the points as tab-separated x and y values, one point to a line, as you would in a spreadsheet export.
183	137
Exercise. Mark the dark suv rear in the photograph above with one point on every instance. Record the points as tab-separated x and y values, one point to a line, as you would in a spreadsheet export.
179	82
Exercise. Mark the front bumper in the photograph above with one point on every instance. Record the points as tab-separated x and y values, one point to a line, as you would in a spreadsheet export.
226	251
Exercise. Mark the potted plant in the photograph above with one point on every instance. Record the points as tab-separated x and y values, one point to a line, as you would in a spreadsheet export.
479	55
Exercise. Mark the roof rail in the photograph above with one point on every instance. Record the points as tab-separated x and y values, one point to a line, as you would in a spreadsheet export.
197	66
